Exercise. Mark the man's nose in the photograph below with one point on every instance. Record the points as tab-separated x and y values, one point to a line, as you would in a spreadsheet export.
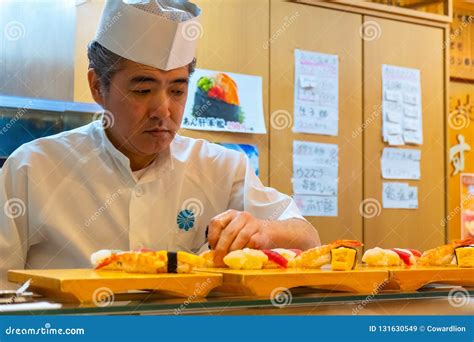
160	106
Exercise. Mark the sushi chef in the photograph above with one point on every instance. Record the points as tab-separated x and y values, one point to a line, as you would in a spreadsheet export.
129	181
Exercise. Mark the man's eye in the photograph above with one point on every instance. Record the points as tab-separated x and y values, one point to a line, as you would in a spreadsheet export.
142	91
177	92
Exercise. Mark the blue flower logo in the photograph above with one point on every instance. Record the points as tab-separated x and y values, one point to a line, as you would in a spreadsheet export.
185	219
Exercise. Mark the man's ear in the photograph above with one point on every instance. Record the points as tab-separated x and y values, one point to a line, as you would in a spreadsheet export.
94	86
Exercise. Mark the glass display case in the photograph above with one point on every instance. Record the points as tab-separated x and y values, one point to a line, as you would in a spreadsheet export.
25	119
432	300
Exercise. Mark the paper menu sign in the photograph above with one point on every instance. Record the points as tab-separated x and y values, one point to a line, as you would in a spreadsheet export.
399	196
316	205
315	167
401	106
400	163
316	93
316	153
309	179
315	177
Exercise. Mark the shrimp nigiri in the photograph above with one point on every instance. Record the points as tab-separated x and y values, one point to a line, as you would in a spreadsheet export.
146	261
321	255
442	255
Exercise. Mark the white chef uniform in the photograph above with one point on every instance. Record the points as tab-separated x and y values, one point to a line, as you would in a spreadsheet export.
69	195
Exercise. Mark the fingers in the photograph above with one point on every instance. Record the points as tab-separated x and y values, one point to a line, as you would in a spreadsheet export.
257	241
228	234
243	238
217	224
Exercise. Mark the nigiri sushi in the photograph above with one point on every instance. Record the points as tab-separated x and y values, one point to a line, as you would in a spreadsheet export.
379	257
443	255
343	258
465	256
246	259
281	257
319	256
390	257
145	261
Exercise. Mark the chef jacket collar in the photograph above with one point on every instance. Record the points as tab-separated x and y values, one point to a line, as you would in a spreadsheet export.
161	165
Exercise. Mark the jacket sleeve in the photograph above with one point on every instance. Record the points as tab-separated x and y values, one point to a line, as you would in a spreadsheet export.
249	194
13	220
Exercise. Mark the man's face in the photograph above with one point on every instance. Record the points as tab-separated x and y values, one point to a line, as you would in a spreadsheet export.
147	106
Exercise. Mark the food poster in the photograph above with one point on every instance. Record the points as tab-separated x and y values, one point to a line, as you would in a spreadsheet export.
467	205
222	101
251	151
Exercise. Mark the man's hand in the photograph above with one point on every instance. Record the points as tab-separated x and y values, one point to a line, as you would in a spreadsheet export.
232	230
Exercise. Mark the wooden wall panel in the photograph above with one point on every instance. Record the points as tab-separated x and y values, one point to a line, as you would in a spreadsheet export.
457	125
413	46
325	31
234	33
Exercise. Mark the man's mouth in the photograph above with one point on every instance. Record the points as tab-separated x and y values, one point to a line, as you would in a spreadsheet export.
159	131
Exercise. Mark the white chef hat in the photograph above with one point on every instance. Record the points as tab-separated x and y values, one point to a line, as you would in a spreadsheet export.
159	33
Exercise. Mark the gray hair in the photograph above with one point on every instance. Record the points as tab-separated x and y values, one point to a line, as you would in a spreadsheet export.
106	64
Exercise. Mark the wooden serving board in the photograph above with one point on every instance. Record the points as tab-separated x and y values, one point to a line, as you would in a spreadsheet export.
413	278
265	282
88	285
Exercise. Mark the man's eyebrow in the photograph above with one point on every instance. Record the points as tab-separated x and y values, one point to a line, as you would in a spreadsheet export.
180	80
144	79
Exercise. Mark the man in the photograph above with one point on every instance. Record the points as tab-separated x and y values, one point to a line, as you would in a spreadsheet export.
129	181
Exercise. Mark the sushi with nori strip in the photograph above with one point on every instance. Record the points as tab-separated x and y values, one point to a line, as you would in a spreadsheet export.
321	255
146	261
465	256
